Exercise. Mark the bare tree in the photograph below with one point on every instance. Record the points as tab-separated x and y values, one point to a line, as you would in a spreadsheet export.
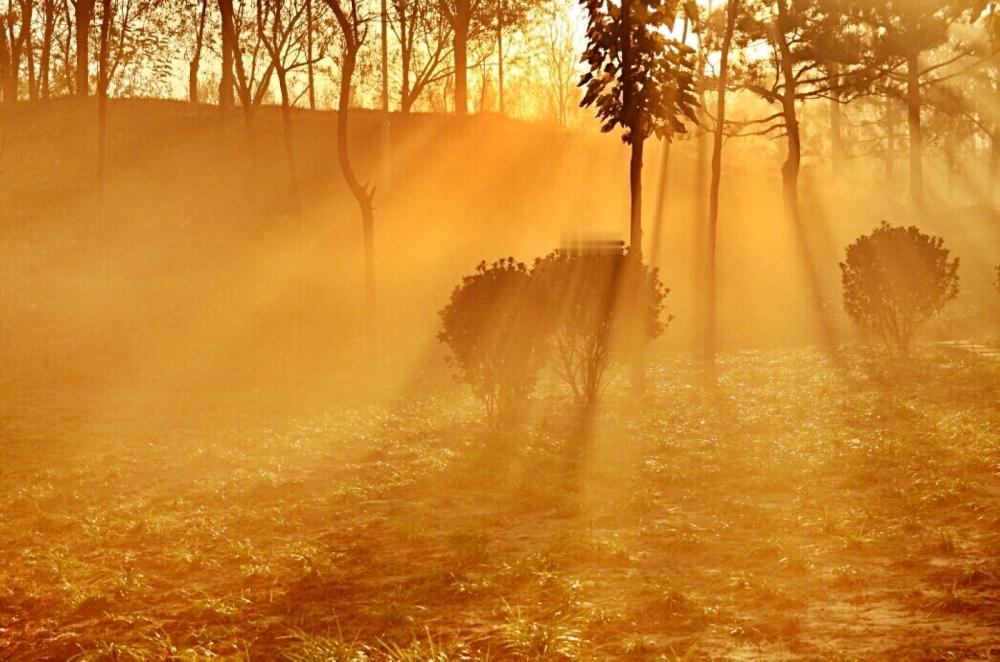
424	36
14	41
354	30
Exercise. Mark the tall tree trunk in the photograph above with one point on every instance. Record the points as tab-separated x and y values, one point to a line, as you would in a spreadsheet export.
361	194
500	105
793	162
889	120
8	91
103	71
913	103
227	82
836	130
84	17
635	194
195	64
460	41
45	57
713	197
310	72
30	63
286	122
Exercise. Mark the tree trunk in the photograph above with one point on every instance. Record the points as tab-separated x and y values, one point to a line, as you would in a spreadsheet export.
635	193
227	83
84	17
286	122
889	117
102	89
793	162
913	103
500	67
460	42
363	196
713	197
32	77
195	64
310	73
836	131
45	58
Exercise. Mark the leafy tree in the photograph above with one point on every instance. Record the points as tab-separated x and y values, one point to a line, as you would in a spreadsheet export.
903	33
640	78
895	279
496	327
603	314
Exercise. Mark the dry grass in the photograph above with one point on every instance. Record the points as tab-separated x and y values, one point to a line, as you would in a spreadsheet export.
802	508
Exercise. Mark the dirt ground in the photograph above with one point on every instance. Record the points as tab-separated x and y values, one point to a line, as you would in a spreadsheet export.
805	507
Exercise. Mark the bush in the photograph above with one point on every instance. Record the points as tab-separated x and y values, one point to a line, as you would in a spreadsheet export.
602	314
895	279
496	328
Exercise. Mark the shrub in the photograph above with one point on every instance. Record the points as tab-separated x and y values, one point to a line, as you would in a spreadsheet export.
602	313
895	279
495	326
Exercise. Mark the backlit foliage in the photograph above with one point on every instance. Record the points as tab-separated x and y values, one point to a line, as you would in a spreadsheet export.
602	314
643	82
495	327
895	279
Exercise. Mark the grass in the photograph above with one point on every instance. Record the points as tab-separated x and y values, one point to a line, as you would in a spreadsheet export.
802	509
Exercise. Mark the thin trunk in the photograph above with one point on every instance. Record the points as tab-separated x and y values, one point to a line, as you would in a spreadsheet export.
461	48
635	192
30	62
790	169
500	66
286	122
102	89
84	17
309	55
45	58
889	117
711	286
227	83
836	131
405	53
913	103
195	64
6	66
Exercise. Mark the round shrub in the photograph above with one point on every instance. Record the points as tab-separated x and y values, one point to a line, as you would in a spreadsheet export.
895	279
605	307
495	326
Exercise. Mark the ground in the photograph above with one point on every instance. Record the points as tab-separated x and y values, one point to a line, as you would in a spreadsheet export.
809	506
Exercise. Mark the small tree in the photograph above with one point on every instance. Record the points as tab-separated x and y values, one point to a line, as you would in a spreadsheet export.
496	327
895	279
600	313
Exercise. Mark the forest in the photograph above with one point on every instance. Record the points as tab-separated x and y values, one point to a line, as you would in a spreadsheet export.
347	330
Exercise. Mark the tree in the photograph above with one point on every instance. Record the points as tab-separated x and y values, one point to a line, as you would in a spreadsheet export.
465	17
605	306
15	33
904	32
803	42
504	15
640	79
279	28
496	326
84	16
194	65
713	211
424	36
354	30
895	279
